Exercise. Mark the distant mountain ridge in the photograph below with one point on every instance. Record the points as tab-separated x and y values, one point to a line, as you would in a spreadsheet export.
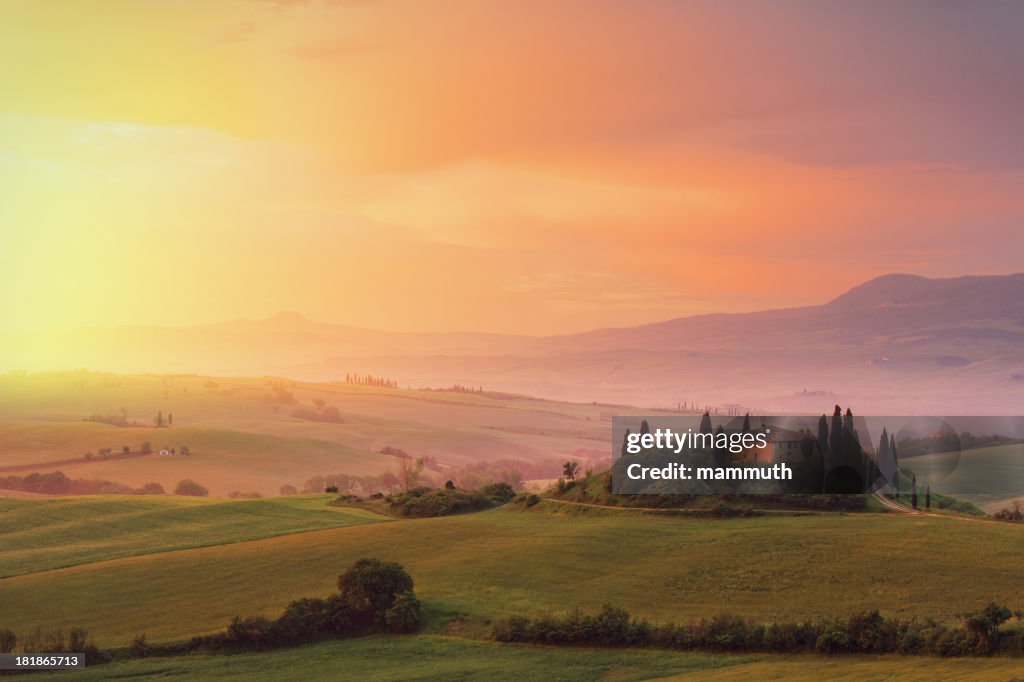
888	340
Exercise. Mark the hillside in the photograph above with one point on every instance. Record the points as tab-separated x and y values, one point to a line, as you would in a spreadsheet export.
41	535
242	434
474	568
953	346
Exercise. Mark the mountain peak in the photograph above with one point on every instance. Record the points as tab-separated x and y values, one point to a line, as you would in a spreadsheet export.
287	316
917	290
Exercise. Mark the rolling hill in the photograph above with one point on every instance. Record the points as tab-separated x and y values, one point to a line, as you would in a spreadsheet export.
896	344
474	568
243	435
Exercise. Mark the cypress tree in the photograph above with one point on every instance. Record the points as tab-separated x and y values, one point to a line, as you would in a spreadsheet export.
835	438
746	423
913	491
705	423
823	433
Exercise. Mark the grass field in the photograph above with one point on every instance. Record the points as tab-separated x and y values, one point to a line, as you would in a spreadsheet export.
39	535
472	569
442	659
991	478
241	440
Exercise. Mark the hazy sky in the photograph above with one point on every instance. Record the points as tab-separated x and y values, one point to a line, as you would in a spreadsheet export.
507	166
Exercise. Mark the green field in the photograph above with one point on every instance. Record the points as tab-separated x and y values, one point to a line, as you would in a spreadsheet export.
241	439
991	478
442	659
44	534
472	569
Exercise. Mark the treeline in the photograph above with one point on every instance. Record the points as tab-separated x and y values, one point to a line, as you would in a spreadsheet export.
373	596
41	641
948	441
597	489
370	380
1011	513
352	485
867	632
57	483
468	477
126	451
121	420
479	474
425	503
455	388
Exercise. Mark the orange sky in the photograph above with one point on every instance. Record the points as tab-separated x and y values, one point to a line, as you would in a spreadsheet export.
528	167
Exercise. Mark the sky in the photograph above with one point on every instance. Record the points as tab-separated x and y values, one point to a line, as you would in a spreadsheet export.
532	167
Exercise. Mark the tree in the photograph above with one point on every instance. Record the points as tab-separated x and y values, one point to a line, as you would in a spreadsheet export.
125	449
927	497
705	423
409	471
823	433
746	423
449	485
913	491
191	488
7	641
371	587
569	469
835	437
404	615
159	419
146	447
185	451
984	624
170	419
287	489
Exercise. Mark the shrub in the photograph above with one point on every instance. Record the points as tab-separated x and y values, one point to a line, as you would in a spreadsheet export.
287	490
252	633
498	492
302	621
371	587
867	631
138	648
833	639
339	616
191	488
423	503
404	614
7	641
